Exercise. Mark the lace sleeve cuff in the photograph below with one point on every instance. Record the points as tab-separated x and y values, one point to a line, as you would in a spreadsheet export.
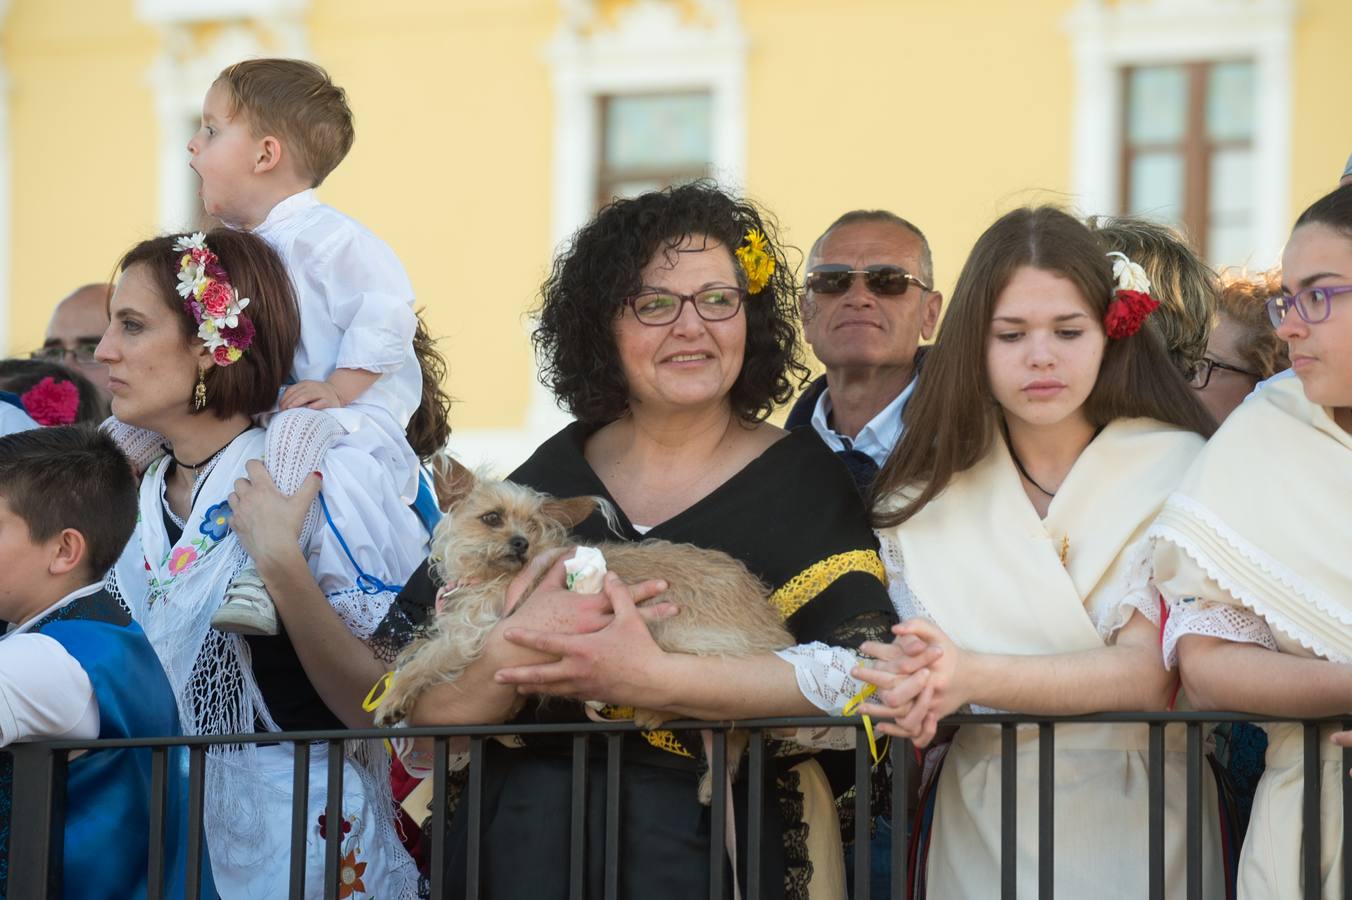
823	674
1189	615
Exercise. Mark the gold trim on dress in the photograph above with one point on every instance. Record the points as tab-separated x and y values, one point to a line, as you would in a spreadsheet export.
810	582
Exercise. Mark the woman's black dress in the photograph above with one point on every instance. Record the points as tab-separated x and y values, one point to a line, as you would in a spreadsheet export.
794	518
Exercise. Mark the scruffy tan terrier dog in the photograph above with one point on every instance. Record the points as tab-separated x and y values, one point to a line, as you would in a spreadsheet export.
491	531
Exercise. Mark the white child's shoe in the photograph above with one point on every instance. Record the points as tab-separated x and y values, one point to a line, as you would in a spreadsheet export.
247	607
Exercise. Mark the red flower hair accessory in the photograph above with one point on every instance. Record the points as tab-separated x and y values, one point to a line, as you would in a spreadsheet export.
51	402
212	301
1131	304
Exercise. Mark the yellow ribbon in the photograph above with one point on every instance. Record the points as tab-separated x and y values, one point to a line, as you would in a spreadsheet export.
372	701
383	685
855	702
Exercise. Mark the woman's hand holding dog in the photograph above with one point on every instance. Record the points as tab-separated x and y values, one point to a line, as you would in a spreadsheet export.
916	678
609	663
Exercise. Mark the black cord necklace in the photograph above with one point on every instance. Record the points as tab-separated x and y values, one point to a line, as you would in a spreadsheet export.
1018	464
193	468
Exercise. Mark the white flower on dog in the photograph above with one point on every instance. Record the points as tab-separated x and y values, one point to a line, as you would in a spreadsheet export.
1130	276
586	570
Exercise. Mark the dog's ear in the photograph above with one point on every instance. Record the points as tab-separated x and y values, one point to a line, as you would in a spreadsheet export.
451	481
571	512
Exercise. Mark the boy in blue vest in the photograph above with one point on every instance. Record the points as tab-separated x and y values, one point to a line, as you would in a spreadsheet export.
74	666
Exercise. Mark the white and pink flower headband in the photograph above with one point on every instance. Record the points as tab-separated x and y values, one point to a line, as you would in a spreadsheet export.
212	300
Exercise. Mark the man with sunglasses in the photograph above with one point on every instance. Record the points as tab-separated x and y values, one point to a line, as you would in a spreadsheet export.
868	298
76	327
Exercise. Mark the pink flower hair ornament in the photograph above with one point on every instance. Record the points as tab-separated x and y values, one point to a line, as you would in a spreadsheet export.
1131	304
212	301
52	402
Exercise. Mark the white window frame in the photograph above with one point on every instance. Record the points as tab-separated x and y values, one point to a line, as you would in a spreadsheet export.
1108	38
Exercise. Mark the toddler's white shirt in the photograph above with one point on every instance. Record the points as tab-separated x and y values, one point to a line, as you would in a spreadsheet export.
44	692
356	302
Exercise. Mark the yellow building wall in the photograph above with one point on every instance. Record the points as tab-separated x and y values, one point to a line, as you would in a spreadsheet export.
83	148
1321	95
946	113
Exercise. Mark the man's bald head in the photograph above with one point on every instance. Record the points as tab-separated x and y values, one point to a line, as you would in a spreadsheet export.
76	327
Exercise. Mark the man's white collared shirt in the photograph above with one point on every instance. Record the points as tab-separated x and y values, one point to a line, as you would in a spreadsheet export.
876	439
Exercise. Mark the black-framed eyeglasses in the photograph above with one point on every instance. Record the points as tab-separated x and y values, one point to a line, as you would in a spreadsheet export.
1313	305
1201	376
883	279
82	354
659	307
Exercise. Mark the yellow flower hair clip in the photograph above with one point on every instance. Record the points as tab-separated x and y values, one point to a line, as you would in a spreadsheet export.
759	265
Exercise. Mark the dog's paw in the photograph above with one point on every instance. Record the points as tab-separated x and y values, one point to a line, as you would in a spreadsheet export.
648	719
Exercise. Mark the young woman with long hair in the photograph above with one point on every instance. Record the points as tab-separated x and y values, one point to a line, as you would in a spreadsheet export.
1046	431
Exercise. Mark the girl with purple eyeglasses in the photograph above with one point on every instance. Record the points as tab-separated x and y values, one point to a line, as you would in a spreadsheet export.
1251	555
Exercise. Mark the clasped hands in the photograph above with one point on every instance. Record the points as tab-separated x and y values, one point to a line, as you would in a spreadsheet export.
918	680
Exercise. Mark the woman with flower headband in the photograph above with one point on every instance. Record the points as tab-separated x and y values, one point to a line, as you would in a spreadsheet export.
1046	431
667	329
1257	578
197	369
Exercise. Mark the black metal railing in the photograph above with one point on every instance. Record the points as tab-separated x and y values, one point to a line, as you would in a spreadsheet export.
35	849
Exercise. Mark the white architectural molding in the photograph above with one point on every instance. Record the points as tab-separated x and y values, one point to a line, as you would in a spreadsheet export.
190	59
1107	37
651	46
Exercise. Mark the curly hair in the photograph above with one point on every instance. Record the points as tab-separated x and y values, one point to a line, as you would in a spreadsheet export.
1243	298
1186	288
574	336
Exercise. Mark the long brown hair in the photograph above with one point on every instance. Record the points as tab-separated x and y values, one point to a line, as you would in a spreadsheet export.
430	427
951	421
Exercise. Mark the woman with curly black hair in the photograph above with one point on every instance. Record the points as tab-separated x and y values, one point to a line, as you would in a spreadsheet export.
667	329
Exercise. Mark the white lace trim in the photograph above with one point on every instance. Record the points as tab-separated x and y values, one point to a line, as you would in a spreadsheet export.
361	612
823	674
1135	591
904	600
1190	615
142	447
1266	564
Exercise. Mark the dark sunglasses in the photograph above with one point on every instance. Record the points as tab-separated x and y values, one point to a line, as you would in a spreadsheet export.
882	279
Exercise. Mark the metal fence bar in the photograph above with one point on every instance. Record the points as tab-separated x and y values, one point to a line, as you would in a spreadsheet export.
577	827
1194	811
1310	850
300	815
1009	847
863	784
333	821
36	852
197	765
755	807
718	813
474	802
1346	780
159	789
1046	823
38	801
440	813
1156	766
901	860
614	751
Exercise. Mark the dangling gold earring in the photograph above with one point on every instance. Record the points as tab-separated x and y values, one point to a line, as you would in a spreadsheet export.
199	393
